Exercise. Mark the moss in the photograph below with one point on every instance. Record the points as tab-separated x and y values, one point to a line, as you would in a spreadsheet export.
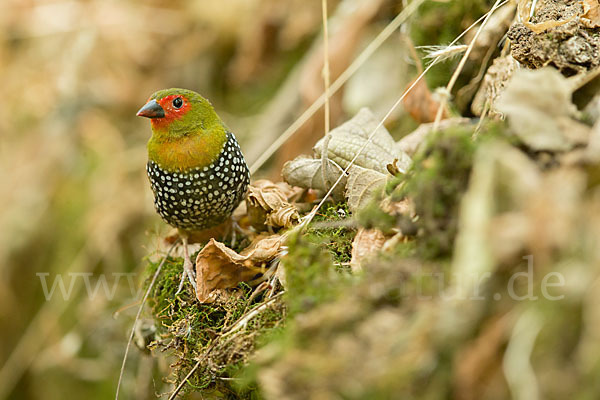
337	238
188	330
439	177
310	276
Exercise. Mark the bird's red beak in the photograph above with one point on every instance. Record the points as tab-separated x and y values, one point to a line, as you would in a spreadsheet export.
151	110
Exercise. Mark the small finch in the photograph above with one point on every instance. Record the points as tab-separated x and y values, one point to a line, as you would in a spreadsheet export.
196	169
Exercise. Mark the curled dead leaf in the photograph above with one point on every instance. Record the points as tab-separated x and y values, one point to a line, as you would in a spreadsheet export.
268	204
591	13
285	216
393	168
366	243
219	267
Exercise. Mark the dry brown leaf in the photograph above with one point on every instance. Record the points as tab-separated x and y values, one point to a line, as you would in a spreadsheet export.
538	106
219	267
366	243
370	168
285	216
420	103
268	204
265	194
350	137
305	172
591	13
362	184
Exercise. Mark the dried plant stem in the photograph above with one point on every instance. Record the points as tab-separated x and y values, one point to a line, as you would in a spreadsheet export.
137	317
326	74
461	65
324	157
244	319
338	83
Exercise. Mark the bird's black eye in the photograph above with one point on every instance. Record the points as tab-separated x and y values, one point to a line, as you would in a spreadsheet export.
177	102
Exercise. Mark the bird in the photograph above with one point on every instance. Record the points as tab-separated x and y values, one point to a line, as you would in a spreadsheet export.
195	166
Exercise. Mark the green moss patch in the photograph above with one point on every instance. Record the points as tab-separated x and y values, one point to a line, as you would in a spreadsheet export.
189	331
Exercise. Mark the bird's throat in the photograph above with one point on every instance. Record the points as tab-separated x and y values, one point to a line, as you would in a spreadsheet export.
188	152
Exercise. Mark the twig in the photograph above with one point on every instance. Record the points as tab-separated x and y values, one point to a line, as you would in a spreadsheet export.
137	317
338	83
461	65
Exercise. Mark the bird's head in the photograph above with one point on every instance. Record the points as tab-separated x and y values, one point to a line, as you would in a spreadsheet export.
186	130
178	112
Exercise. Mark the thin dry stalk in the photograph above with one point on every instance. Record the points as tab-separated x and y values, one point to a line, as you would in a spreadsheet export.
326	75
324	163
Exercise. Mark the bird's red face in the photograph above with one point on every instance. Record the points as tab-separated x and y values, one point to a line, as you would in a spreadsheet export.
165	110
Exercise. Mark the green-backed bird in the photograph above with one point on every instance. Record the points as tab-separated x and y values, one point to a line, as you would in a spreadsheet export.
196	169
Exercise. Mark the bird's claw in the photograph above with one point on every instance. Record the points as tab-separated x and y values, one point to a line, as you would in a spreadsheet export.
188	270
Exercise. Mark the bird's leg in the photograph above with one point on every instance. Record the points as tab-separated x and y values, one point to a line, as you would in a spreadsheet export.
235	229
233	233
188	266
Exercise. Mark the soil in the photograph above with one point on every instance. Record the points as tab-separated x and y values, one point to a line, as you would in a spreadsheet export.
571	47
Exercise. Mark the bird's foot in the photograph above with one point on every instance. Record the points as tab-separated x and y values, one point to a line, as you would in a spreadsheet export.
188	271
